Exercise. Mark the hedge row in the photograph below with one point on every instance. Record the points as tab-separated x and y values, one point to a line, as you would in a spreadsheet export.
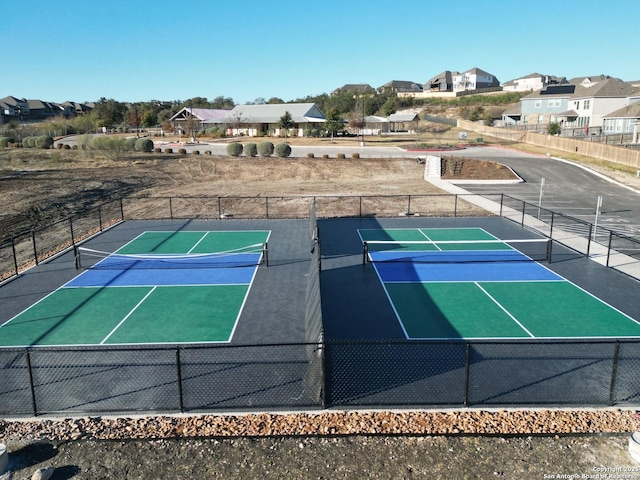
264	149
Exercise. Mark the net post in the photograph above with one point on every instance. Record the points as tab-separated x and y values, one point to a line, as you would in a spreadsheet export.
549	249
76	257
365	250
265	252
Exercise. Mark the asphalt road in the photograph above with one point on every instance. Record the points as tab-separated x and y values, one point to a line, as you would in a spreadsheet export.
568	188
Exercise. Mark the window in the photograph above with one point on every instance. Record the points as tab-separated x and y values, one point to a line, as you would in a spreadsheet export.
555	102
538	104
586	104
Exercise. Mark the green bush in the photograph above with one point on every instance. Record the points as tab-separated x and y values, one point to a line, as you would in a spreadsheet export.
44	141
283	150
234	149
250	149
29	142
265	149
131	143
5	141
144	145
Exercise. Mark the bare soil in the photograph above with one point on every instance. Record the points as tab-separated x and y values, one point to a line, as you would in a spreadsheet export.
39	187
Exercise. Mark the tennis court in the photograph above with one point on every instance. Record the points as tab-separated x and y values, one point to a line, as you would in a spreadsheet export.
161	287
452	283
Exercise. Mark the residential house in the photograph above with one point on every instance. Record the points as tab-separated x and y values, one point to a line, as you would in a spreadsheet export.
256	120
623	120
593	102
15	107
590	80
574	105
400	86
551	104
532	83
443	82
355	89
39	110
474	79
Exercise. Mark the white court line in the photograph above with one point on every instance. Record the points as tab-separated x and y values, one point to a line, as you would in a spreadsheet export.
505	310
128	315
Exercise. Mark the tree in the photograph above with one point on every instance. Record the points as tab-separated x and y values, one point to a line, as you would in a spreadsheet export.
389	107
149	118
286	123
333	122
554	128
135	119
109	112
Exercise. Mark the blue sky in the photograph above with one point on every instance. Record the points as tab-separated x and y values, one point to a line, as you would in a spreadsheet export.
139	50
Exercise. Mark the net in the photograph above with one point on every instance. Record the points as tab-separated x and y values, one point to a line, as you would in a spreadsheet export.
250	255
313	226
457	251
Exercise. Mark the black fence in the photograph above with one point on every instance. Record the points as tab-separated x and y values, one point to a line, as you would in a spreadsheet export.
28	249
319	373
329	374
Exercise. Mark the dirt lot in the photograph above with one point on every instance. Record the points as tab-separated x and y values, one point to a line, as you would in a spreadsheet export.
36	188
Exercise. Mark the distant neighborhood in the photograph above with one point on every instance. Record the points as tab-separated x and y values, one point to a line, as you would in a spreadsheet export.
588	105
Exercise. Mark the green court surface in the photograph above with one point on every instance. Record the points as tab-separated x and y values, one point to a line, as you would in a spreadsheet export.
486	299
203	305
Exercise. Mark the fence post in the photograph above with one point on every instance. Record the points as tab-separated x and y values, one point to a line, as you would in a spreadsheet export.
15	256
179	375
409	205
609	246
121	209
360	213
524	209
467	369
455	206
614	373
31	387
73	241
100	217
33	242
501	202
266	207
589	239
171	208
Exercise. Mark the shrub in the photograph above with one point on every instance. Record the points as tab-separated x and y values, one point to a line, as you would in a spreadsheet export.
283	150
310	155
75	146
157	150
60	146
168	150
325	156
340	155
43	141
130	143
250	149
5	141
67	146
207	152
114	148
144	145
182	151
29	142
196	152
234	149
554	128
265	149
355	155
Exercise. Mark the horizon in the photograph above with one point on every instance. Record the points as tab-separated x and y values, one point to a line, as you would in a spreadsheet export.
146	51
